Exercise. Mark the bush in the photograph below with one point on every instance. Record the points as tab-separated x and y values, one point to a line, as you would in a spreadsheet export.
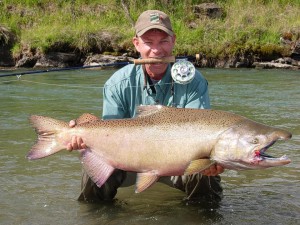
77	25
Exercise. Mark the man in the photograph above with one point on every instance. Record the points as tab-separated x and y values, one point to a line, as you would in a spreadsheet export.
150	84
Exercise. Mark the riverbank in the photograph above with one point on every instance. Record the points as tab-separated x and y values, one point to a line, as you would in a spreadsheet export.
225	33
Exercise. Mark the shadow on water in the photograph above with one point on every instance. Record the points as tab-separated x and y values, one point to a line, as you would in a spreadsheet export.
158	205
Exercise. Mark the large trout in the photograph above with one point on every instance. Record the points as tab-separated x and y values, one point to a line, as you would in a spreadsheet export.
162	141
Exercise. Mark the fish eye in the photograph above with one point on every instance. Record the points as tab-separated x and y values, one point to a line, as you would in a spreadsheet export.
255	141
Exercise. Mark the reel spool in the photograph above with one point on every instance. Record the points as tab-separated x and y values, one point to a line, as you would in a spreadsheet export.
183	71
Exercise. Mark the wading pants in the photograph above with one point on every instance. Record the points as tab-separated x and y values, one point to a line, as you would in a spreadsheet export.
195	186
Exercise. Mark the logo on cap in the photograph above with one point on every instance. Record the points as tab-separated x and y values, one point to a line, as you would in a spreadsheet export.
155	18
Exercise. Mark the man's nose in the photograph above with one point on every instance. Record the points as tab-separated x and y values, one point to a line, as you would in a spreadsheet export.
156	48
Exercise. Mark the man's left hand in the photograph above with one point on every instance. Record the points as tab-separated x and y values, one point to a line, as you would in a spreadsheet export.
213	170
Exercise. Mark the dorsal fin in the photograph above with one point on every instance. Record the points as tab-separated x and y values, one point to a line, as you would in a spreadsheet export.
146	110
86	117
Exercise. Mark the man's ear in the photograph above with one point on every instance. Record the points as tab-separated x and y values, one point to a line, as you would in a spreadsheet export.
174	38
136	43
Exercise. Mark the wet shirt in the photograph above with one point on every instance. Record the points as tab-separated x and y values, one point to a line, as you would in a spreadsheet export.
127	89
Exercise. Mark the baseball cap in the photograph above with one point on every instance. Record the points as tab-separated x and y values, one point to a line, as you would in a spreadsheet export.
153	19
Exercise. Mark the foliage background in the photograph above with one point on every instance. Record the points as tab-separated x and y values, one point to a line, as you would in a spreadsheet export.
97	26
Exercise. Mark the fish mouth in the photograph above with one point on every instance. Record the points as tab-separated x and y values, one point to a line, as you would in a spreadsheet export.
268	160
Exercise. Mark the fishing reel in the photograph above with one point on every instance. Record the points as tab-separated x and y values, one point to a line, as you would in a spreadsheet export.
183	71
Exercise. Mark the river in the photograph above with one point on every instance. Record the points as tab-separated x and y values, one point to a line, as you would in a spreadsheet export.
45	191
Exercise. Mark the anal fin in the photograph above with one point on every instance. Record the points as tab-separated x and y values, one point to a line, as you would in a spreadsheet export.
145	180
198	165
97	169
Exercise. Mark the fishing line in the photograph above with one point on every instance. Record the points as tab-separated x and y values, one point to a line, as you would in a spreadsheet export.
169	59
48	84
56	85
66	85
182	71
61	85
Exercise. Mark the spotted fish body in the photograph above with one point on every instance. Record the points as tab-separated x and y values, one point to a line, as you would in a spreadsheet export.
161	141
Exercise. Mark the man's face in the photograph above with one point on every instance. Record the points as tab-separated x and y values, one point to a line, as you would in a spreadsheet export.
155	44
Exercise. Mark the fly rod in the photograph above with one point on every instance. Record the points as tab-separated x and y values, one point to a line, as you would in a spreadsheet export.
169	59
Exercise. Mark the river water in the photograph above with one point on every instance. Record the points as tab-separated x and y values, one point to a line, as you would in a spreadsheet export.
45	191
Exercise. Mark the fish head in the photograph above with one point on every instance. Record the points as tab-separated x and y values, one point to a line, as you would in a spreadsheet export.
244	145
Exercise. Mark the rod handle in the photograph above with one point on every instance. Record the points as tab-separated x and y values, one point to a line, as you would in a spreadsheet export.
154	60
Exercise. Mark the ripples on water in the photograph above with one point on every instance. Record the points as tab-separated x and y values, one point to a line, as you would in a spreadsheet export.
45	191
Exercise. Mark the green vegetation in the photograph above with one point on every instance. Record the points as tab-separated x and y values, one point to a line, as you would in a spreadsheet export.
247	26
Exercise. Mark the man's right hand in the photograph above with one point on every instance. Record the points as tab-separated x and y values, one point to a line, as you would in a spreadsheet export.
76	142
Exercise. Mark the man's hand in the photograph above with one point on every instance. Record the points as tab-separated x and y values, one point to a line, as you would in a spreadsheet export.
76	142
213	170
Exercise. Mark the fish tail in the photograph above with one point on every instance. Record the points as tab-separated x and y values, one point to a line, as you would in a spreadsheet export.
47	141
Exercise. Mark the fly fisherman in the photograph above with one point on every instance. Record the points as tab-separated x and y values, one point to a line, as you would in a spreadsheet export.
151	84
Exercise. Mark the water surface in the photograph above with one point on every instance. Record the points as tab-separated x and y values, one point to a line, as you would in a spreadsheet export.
45	191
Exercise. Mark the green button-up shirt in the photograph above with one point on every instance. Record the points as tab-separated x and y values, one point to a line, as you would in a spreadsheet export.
126	89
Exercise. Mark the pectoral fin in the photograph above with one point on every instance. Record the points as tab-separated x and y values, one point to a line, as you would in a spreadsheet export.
198	165
145	180
97	169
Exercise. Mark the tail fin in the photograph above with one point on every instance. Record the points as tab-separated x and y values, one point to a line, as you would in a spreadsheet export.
47	130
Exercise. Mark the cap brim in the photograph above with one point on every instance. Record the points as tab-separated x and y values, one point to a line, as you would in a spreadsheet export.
141	32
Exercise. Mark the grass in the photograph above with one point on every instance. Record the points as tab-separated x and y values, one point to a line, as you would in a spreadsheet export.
78	25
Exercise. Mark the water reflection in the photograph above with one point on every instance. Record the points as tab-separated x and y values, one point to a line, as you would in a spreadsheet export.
159	205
